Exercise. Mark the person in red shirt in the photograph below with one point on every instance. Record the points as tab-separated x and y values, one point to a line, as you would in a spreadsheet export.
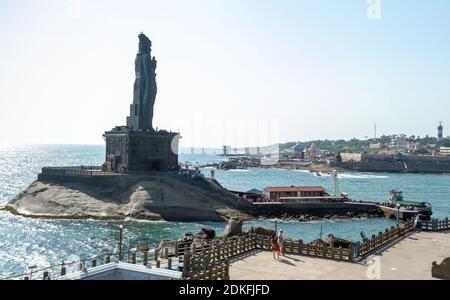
275	247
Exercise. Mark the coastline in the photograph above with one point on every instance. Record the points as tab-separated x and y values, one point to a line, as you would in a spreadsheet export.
323	168
304	218
153	198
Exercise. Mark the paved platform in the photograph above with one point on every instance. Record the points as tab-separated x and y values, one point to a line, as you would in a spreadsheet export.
410	258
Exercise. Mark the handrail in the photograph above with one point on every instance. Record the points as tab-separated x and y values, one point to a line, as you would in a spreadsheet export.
435	225
78	171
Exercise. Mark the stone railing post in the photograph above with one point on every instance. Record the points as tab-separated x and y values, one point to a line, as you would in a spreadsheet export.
145	257
63	269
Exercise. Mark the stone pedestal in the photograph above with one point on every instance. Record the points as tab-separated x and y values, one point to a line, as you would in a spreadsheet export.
128	150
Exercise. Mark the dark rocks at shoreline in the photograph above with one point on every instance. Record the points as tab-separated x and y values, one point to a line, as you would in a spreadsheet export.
260	231
206	234
332	241
187	241
233	228
333	217
335	242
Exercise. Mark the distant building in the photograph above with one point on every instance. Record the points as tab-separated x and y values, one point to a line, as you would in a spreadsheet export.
440	132
444	151
401	143
375	146
313	151
274	193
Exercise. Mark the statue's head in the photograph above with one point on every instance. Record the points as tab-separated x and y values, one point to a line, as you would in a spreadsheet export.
145	44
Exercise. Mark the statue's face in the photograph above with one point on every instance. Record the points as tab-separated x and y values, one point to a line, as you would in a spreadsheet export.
145	46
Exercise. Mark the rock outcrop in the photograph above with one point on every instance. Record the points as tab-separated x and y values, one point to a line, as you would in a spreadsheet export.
261	231
156	197
206	234
333	241
233	228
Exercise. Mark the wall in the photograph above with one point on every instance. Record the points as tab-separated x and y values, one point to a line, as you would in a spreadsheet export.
316	209
350	157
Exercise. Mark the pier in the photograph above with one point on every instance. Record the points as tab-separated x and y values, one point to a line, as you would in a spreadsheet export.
411	258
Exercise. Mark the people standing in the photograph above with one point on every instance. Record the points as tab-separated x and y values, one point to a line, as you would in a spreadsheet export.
280	242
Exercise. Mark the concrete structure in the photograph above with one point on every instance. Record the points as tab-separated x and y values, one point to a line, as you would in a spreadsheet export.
440	132
123	271
411	259
444	151
137	146
396	163
349	157
325	206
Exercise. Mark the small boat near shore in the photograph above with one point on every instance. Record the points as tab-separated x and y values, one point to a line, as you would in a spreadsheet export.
410	208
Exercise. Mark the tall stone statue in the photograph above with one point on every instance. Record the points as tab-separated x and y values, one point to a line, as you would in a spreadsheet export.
141	111
137	146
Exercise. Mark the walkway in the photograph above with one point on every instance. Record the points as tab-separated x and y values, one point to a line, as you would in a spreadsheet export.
410	258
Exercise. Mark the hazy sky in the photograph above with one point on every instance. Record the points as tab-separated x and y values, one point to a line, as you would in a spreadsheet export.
228	71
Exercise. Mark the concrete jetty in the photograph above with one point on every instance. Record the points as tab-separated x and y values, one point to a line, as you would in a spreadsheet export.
411	258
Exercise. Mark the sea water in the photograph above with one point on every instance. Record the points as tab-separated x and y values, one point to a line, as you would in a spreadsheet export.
26	242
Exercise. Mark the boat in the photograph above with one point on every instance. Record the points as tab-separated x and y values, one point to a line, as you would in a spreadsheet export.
422	209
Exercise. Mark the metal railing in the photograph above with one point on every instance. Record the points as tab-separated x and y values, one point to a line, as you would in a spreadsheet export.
77	171
382	239
435	225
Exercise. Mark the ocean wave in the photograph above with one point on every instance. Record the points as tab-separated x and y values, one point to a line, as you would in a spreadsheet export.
353	176
130	219
301	171
238	170
362	176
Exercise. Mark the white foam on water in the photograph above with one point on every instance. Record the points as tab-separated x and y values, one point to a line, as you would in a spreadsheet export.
351	176
130	219
361	176
302	171
238	170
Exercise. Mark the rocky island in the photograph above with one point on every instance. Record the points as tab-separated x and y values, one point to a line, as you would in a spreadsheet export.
161	196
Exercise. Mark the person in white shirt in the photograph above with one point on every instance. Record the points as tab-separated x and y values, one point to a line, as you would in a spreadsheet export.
280	242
